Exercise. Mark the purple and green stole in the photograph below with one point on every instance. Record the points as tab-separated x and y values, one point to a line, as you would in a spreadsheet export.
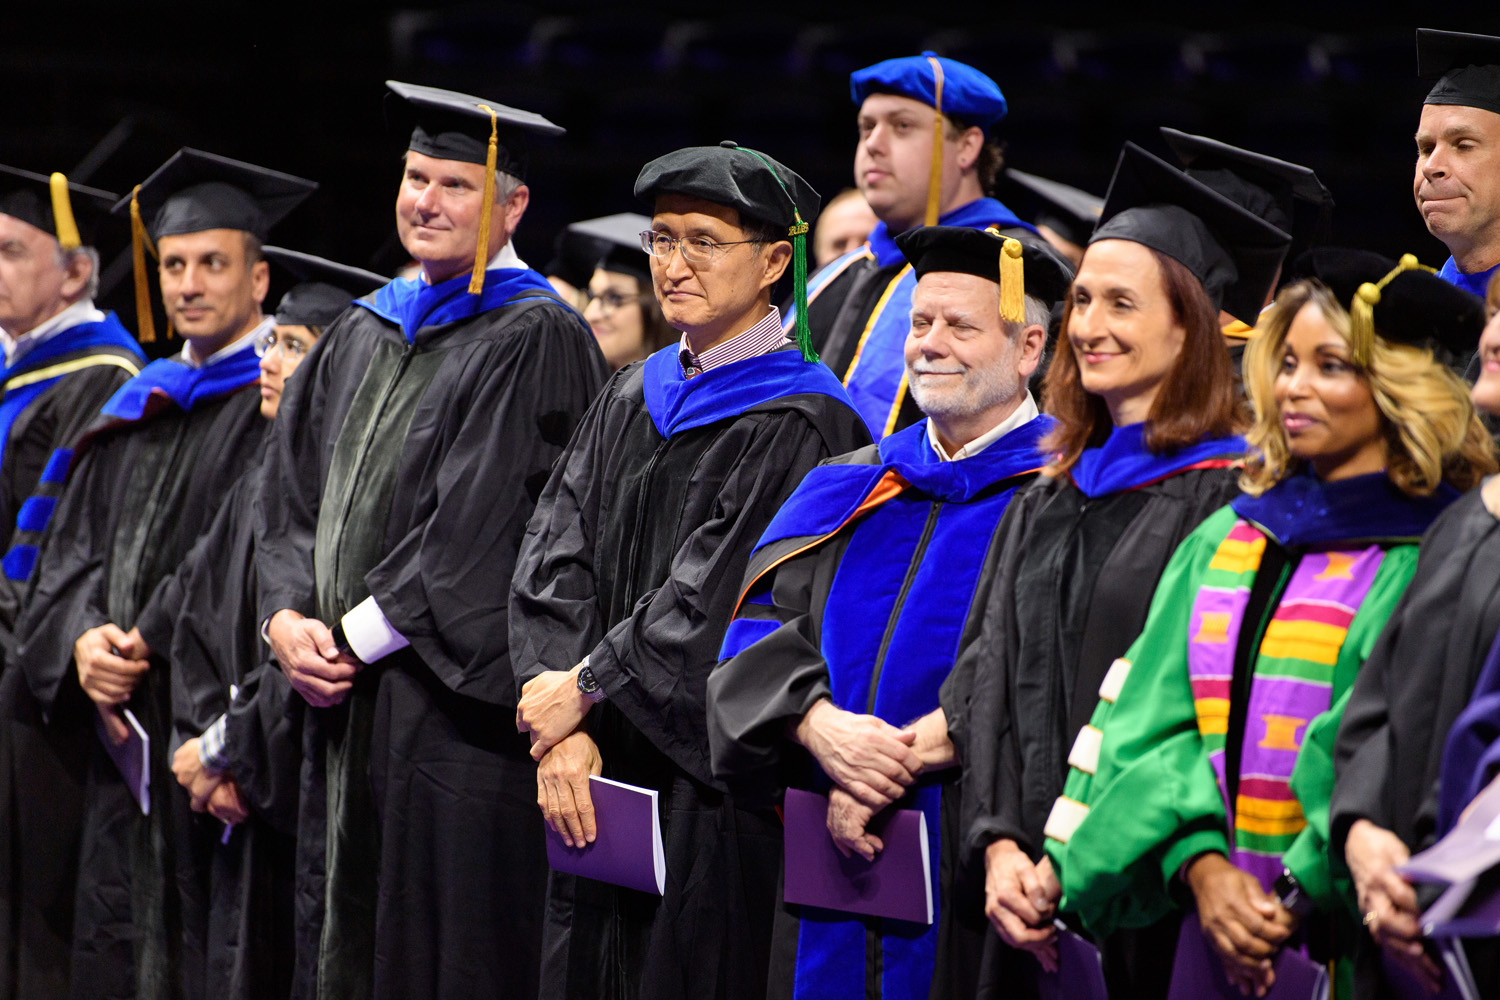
1293	680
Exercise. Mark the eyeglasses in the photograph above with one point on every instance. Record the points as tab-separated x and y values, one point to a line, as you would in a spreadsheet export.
695	249
291	348
611	300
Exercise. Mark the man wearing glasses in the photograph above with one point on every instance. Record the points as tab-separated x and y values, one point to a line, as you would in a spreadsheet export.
629	573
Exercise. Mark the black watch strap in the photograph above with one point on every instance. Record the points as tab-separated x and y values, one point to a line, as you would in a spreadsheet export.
342	641
1291	894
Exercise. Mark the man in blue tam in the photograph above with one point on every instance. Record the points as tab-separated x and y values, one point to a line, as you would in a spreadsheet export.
409	449
1457	182
628	575
923	158
143	483
850	615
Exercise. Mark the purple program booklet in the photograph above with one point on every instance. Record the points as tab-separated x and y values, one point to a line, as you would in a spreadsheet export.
130	757
1080	971
1198	973
627	850
897	884
1458	979
1466	851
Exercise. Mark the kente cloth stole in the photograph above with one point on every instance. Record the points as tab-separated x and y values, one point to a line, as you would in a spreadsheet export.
1293	680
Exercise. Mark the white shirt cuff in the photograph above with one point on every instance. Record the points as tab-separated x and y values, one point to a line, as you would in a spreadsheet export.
369	634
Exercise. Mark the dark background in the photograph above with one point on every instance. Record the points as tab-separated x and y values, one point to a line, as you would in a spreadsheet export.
111	93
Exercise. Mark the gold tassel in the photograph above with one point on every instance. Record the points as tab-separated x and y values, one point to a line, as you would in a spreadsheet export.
486	207
62	214
145	328
1012	282
935	172
1362	310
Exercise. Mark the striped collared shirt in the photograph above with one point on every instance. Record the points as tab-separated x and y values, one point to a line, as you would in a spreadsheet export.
762	338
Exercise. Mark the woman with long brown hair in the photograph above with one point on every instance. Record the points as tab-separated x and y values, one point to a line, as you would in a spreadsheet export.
1145	448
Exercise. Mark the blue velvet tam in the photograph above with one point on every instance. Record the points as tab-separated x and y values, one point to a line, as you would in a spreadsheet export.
968	95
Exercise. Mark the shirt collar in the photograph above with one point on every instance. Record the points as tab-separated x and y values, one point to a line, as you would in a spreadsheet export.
1024	413
505	257
762	338
245	343
82	311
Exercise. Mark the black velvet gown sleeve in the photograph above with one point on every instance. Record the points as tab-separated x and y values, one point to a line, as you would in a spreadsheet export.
1417	679
67	595
654	665
756	697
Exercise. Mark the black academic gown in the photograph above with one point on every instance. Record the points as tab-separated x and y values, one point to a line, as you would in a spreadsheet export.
635	557
1070	586
205	614
408	472
41	766
1416	681
142	494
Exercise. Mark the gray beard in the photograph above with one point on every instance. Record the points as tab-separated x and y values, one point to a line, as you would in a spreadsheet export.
981	389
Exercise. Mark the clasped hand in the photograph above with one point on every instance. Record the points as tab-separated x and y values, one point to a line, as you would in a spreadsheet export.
1020	900
1387	900
210	791
868	757
1245	924
311	661
550	708
110	663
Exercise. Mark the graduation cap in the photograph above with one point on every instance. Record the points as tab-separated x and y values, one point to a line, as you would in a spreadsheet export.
1466	68
69	212
618	238
574	256
753	184
1287	195
952	88
1021	267
447	125
1232	252
195	191
1411	305
1341	269
1067	211
324	288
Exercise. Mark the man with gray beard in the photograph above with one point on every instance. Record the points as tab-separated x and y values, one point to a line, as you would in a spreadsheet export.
858	594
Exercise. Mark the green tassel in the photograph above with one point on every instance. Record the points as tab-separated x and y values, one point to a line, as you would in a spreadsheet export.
799	287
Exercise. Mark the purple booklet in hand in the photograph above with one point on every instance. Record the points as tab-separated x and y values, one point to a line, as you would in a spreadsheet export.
627	849
1198	973
1466	851
1458	980
1080	971
131	757
897	884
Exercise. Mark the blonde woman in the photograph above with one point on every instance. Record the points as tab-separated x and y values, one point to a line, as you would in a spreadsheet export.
1208	762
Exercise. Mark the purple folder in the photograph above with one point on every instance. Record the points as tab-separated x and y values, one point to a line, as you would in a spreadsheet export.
627	850
1080	971
130	757
1458	980
1198	973
897	884
1468	850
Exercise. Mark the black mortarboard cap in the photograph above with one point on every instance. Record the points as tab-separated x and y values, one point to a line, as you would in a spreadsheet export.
1232	252
573	257
1466	68
976	251
451	126
619	239
1067	211
194	191
324	288
1287	195
32	198
1342	269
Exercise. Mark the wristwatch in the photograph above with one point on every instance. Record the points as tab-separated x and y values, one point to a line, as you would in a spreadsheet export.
341	640
1292	895
588	685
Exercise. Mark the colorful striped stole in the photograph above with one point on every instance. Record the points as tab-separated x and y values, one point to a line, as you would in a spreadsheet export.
1293	680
